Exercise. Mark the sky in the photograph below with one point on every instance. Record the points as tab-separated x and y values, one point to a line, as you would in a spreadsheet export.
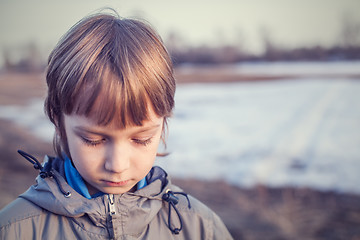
287	22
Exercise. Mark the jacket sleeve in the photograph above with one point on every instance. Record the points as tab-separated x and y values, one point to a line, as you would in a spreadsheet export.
202	223
219	230
16	220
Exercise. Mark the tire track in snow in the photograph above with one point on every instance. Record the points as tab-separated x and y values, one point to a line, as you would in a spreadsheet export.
294	145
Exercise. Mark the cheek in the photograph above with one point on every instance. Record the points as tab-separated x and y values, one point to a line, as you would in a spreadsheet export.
83	157
148	156
77	153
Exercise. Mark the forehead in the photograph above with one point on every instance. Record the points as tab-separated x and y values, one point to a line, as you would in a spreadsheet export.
76	120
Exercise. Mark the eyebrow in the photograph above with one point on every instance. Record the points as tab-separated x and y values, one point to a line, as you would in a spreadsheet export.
148	128
96	132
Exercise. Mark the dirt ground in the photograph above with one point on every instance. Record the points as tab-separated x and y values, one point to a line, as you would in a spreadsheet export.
256	213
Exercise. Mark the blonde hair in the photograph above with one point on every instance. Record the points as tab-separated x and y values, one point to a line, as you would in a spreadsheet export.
108	68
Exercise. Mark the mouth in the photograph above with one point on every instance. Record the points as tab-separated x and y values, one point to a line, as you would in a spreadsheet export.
116	184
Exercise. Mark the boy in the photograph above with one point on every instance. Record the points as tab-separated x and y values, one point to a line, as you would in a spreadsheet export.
110	92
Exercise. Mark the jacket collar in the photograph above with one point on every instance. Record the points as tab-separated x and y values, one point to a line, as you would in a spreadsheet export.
142	205
75	180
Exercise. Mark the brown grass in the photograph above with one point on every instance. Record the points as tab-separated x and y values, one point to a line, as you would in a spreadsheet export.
225	74
18	88
280	213
216	74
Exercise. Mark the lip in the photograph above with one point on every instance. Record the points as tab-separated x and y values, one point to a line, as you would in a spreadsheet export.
116	184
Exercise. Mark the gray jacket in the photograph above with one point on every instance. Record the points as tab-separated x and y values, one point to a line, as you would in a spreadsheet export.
157	211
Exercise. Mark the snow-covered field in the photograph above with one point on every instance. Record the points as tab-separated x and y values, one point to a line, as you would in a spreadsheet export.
303	132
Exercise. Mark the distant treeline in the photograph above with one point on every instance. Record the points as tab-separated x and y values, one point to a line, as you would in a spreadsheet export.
231	54
32	61
31	57
347	47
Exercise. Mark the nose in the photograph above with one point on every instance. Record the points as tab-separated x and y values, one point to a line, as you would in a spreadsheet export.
117	159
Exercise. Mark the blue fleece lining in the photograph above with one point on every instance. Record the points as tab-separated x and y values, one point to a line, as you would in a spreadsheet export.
75	180
142	183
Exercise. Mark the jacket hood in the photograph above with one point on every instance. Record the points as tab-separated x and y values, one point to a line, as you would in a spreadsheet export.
142	205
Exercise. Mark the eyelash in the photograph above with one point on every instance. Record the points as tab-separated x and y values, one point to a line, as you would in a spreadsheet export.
91	142
142	142
97	142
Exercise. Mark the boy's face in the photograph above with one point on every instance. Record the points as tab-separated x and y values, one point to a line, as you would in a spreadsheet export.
109	159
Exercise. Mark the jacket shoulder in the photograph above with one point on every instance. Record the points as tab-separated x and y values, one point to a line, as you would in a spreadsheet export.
196	206
18	210
200	218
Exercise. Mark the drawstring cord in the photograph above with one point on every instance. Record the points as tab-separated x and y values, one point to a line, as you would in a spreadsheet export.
45	171
170	197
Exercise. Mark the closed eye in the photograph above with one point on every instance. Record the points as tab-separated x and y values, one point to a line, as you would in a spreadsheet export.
142	142
92	143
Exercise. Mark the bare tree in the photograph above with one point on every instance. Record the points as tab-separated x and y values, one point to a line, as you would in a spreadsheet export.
270	49
350	32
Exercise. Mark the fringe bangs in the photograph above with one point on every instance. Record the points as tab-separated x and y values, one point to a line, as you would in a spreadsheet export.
106	98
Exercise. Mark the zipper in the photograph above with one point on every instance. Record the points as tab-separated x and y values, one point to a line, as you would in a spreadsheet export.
112	213
112	209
